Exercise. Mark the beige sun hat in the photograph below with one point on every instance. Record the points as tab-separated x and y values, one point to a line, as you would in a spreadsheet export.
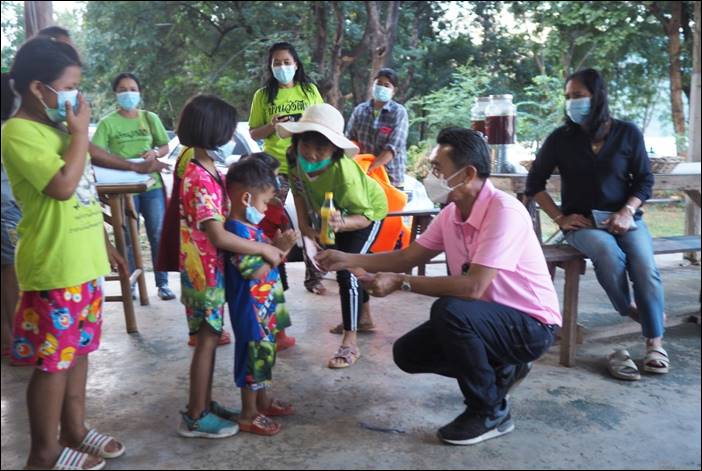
324	119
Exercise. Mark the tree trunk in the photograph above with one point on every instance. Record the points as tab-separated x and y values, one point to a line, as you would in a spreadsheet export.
359	79
319	55
406	92
341	59
37	16
692	212
672	30
382	37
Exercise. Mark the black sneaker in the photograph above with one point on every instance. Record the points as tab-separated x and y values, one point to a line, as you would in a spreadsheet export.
510	377
470	428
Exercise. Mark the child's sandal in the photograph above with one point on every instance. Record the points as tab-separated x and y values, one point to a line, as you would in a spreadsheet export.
278	409
260	425
349	355
95	443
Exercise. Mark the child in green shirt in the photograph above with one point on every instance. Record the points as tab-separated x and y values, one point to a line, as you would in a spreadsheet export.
317	165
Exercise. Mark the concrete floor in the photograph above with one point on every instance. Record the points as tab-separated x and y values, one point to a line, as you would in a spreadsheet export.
565	418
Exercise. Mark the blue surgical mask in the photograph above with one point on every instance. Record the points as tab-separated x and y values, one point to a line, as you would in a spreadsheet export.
221	153
128	100
312	167
253	215
381	93
284	73
577	109
58	114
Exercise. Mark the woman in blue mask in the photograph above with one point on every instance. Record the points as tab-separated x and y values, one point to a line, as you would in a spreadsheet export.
606	178
380	127
130	132
288	91
318	165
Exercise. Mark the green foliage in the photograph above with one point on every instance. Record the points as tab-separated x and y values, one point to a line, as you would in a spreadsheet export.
525	48
13	29
541	109
450	105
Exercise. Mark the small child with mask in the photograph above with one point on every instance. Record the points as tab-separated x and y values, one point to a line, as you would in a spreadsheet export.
275	220
255	296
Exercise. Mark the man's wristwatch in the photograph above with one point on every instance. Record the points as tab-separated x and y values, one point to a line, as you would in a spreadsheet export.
631	209
406	286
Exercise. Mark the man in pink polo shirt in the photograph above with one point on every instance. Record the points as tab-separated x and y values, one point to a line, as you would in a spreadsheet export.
496	310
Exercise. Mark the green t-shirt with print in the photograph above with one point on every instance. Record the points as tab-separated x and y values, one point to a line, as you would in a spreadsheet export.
60	243
131	137
288	102
355	193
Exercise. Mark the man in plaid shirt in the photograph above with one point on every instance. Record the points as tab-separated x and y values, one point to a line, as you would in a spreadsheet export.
379	126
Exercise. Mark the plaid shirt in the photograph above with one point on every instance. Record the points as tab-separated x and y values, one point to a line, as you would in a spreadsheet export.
386	132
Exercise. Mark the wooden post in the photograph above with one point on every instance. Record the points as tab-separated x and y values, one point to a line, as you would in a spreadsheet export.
692	210
37	16
117	212
569	332
131	218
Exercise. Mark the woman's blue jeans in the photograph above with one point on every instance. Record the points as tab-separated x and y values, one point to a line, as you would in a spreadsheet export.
620	258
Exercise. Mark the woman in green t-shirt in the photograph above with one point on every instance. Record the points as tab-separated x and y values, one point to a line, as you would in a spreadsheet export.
287	93
129	133
318	166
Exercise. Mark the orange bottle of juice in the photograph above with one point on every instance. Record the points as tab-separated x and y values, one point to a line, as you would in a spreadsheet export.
327	236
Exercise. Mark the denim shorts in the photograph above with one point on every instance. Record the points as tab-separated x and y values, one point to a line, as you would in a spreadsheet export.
11	215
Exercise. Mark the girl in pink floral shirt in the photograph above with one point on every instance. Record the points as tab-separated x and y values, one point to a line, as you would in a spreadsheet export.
207	125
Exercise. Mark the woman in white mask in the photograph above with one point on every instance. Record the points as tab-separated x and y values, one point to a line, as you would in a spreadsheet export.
288	91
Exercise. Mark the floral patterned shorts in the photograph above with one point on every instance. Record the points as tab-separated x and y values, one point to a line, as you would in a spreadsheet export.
53	327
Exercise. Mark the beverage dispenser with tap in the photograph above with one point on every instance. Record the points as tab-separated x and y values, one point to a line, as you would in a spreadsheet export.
500	129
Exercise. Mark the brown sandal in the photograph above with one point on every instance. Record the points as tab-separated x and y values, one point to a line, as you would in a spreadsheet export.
279	409
350	355
260	425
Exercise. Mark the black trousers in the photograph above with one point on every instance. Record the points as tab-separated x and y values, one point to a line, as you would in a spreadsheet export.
474	342
350	291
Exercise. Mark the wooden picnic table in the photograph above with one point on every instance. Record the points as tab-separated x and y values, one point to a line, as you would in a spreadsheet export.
117	197
689	183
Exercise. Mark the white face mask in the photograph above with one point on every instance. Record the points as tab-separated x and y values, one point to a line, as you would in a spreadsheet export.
438	189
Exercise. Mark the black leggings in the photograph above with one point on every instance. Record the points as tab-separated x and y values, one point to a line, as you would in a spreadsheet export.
352	295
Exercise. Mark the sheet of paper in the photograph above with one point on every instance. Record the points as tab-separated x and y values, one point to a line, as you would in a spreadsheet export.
115	177
311	250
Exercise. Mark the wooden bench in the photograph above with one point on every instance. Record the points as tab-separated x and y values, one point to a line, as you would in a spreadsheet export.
573	263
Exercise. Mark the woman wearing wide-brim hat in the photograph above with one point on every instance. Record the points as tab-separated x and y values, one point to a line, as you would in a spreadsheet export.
318	163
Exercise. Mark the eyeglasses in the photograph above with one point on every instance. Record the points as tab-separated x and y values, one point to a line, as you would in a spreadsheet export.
437	173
